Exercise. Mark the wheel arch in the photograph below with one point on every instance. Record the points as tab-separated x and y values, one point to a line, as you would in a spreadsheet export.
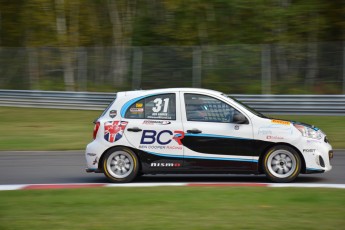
100	162
262	154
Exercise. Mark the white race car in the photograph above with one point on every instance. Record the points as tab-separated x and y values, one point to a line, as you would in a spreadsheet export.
186	130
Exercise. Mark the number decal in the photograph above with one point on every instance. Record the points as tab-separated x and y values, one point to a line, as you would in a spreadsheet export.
158	105
166	104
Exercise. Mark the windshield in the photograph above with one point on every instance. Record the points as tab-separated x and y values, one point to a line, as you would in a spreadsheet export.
247	107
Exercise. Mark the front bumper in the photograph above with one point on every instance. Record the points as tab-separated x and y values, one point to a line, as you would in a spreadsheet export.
317	156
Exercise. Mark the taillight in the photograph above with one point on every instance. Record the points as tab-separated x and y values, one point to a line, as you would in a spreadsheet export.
95	129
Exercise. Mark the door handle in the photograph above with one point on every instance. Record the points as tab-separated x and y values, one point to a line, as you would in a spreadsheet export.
134	129
194	131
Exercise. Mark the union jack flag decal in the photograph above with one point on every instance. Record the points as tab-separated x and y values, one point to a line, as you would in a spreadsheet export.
113	130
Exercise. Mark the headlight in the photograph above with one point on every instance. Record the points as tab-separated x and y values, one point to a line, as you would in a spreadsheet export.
309	132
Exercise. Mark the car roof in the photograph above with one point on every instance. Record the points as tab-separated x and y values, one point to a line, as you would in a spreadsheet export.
168	90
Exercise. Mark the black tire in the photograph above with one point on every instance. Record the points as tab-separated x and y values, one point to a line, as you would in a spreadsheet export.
120	165
281	164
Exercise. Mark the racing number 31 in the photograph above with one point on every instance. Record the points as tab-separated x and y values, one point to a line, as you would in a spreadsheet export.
158	105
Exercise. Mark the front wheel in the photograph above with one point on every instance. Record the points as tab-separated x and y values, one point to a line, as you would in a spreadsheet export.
120	165
282	164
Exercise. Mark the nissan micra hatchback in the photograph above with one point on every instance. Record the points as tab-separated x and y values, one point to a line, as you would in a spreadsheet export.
185	130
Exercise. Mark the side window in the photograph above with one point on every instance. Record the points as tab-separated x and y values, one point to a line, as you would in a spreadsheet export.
159	107
208	109
136	110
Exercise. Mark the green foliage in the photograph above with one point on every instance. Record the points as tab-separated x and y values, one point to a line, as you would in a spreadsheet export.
179	22
172	23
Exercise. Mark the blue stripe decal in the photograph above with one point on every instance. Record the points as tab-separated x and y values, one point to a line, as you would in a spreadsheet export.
313	169
93	169
213	135
204	158
130	102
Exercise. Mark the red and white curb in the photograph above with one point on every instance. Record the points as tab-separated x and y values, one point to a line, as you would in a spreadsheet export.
83	185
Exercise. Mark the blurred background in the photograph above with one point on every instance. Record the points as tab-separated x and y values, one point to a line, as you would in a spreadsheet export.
238	47
256	50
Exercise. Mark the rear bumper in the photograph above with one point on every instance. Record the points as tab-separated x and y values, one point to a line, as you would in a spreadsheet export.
93	154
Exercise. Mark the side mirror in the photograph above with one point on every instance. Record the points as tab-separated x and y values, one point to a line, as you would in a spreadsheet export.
239	118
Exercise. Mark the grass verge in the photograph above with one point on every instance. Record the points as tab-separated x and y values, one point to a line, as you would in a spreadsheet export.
173	208
45	129
53	129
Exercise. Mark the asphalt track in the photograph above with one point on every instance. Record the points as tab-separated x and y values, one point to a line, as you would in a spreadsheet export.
55	167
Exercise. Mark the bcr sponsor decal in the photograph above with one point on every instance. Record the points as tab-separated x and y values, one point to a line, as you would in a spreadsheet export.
164	137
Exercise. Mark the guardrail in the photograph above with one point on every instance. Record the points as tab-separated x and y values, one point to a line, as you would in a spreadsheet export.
55	99
268	104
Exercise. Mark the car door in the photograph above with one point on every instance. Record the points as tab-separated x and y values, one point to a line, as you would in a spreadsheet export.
218	136
154	127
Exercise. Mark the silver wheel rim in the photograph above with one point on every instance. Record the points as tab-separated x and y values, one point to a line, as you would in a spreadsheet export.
281	163
120	164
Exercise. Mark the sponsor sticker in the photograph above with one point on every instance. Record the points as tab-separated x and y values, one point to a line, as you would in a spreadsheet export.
313	141
274	137
112	113
165	139
309	150
264	132
281	122
136	110
139	105
113	130
149	122
273	129
164	164
159	116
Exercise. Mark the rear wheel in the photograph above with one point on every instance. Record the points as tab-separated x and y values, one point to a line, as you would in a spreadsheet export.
120	165
282	164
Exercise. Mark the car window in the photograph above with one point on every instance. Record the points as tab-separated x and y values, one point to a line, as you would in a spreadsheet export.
158	107
208	109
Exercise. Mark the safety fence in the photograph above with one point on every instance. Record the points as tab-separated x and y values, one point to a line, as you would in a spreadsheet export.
303	68
267	104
